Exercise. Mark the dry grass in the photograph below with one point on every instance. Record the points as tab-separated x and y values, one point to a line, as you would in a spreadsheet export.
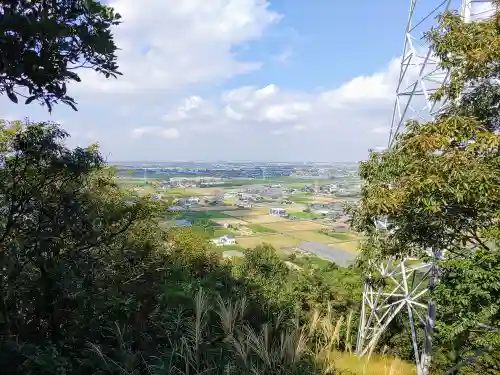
376	365
328	343
276	348
295	225
276	240
229	221
313	236
260	211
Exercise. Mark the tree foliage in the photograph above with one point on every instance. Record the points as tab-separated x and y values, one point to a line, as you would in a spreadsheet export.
43	43
90	282
439	188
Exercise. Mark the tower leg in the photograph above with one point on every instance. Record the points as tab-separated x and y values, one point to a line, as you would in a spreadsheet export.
407	284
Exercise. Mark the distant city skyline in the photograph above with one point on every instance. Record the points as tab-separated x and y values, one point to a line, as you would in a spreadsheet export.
230	161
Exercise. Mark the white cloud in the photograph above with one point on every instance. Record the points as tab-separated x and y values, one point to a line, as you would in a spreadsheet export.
243	121
145	130
193	106
168	44
167	133
170	133
286	112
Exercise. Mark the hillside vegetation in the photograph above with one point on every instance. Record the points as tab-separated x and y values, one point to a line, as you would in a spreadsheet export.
92	283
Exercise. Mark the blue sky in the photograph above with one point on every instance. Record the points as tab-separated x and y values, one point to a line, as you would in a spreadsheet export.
330	41
241	80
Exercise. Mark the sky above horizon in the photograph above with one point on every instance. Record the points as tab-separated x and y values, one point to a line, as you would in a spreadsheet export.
277	80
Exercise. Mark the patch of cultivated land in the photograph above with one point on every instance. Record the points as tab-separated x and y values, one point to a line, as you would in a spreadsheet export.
295	225
319	199
256	228
205	215
275	240
295	207
347	246
229	221
212	208
341	237
312	236
262	219
305	215
179	192
240	213
204	191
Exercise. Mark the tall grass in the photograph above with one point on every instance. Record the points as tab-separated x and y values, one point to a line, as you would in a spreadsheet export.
220	338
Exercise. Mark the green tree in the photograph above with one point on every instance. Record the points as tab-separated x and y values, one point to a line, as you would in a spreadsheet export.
43	43
89	283
439	187
61	213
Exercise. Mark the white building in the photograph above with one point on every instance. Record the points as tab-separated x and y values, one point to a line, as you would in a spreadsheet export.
227	239
277	212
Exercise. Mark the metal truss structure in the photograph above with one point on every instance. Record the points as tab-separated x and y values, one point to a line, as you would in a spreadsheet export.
420	75
407	281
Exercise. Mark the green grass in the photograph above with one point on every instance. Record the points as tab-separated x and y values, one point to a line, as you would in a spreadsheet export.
305	215
222	232
339	236
260	228
300	197
179	192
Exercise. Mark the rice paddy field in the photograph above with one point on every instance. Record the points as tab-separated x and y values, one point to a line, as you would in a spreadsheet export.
240	213
263	219
295	225
276	240
229	221
312	236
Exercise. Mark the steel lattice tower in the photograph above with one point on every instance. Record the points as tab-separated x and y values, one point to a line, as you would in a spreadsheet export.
408	280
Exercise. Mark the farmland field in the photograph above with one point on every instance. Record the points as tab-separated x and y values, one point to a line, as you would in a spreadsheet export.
312	236
263	219
289	226
222	232
347	246
204	191
320	199
192	215
341	236
178	192
229	220
239	213
276	240
300	198
260	228
213	208
305	215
